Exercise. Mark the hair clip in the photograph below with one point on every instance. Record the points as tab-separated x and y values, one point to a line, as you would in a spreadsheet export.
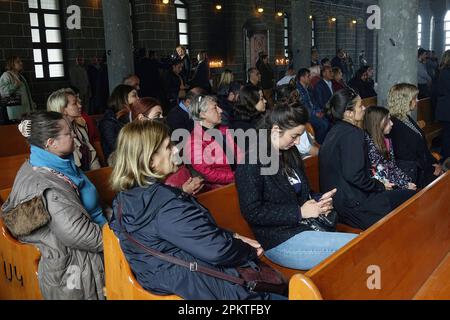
25	128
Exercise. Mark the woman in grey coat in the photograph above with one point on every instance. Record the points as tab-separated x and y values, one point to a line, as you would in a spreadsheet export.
53	205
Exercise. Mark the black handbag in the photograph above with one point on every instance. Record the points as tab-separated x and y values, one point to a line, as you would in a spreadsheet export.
324	223
256	276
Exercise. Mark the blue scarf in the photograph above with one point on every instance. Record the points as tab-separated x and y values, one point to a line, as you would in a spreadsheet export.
88	194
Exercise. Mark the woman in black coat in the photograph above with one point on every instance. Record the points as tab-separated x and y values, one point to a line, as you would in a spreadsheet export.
408	140
275	198
165	219
361	200
250	109
116	116
443	103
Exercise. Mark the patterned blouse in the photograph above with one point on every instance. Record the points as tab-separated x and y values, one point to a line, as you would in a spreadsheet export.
386	169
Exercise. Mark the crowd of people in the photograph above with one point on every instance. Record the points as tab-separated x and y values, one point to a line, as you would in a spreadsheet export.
371	158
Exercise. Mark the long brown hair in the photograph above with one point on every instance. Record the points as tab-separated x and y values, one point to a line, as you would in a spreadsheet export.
374	124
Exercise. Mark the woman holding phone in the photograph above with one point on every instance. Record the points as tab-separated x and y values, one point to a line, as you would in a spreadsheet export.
279	207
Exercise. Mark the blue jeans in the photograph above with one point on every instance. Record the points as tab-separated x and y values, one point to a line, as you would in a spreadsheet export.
307	249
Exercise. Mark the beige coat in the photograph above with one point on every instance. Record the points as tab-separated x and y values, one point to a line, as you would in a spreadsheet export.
71	245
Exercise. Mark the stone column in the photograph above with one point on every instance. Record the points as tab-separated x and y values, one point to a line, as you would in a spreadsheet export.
397	45
301	33
118	40
438	9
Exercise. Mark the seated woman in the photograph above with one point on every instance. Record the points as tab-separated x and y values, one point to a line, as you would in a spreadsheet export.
276	206
409	141
307	146
116	116
377	125
67	102
150	109
210	149
250	109
361	200
161	218
67	228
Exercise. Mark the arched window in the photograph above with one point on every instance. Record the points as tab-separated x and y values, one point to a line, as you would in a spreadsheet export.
447	30
419	32
182	23
47	38
286	36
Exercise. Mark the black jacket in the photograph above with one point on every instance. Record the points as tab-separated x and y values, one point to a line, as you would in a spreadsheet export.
322	94
412	153
443	96
179	119
109	128
167	220
344	164
201	76
270	205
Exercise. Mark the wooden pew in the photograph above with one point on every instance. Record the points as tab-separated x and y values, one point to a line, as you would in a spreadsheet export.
9	166
119	279
410	247
18	265
425	114
370	102
13	143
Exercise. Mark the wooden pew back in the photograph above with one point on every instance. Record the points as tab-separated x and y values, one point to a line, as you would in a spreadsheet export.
404	249
13	143
425	114
370	102
9	166
19	265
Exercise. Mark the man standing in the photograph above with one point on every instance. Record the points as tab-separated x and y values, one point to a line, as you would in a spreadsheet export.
423	78
317	118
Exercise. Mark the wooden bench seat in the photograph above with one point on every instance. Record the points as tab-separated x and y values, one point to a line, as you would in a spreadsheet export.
409	248
13	143
9	166
425	114
18	265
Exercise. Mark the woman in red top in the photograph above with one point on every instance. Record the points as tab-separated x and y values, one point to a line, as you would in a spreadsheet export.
206	146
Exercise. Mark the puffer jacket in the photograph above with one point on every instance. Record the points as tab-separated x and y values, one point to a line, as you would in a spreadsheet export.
71	246
206	155
165	219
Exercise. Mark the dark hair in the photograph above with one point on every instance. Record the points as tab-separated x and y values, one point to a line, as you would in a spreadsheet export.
421	51
342	101
287	94
303	72
324	60
44	125
287	116
325	68
372	124
10	62
119	97
248	99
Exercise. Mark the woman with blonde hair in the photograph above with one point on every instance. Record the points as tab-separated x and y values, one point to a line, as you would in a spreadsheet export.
66	101
443	102
162	218
408	139
226	78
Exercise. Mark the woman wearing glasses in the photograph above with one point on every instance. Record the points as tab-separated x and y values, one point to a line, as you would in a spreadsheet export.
210	149
67	217
361	200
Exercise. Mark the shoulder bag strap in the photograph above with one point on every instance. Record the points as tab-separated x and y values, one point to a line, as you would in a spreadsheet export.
192	266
